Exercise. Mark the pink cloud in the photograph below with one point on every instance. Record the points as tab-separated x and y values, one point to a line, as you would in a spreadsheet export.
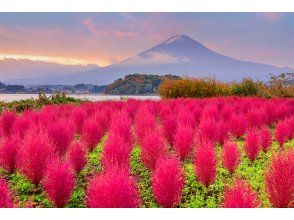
125	34
270	16
90	25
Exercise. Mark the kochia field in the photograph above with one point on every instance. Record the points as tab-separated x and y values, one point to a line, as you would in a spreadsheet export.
217	152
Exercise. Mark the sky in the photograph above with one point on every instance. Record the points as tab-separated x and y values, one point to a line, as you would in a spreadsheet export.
106	38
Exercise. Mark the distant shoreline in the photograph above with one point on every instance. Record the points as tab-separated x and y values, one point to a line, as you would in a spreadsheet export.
5	97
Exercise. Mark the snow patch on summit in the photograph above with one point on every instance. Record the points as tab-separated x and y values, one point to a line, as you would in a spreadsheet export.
177	38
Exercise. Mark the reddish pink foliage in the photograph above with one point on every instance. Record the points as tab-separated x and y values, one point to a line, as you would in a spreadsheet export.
185	117
33	155
121	125
210	112
77	156
237	125
222	132
113	189
168	181
290	122
59	183
61	135
92	132
257	117
240	195
153	147
207	131
169	127
78	116
5	195
144	121
231	156
183	141
265	139
7	120
21	125
103	118
282	133
205	163
197	112
116	152
252	144
226	112
279	180
8	153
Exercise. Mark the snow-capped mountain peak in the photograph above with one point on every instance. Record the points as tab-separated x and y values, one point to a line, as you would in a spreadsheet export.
177	39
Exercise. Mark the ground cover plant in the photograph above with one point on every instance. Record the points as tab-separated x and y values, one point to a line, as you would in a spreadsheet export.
213	152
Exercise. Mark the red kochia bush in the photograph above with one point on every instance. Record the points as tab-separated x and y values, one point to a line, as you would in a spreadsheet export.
34	153
7	120
252	144
279	180
237	125
121	125
265	139
77	156
205	163
116	152
282	133
92	132
5	195
207	130
227	112
153	147
169	126
257	117
61	134
112	189
183	141
231	156
168	181
8	153
21	125
186	117
59	182
144	121
240	195
222	133
78	116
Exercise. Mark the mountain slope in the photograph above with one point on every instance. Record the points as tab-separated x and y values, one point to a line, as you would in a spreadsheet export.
183	56
179	55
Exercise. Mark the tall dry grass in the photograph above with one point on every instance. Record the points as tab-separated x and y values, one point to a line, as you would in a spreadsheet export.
210	87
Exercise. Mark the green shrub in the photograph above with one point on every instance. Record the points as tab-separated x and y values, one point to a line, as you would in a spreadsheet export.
22	105
247	87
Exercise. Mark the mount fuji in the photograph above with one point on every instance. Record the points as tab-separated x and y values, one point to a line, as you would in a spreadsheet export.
179	55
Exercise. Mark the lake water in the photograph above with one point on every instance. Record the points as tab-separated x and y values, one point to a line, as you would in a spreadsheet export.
90	97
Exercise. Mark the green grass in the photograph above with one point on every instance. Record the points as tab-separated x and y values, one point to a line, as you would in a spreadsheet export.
194	194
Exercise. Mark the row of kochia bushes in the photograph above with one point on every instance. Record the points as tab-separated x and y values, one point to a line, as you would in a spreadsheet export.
50	147
210	87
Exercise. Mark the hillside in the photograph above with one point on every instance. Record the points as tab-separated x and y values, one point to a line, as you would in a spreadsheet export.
137	84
